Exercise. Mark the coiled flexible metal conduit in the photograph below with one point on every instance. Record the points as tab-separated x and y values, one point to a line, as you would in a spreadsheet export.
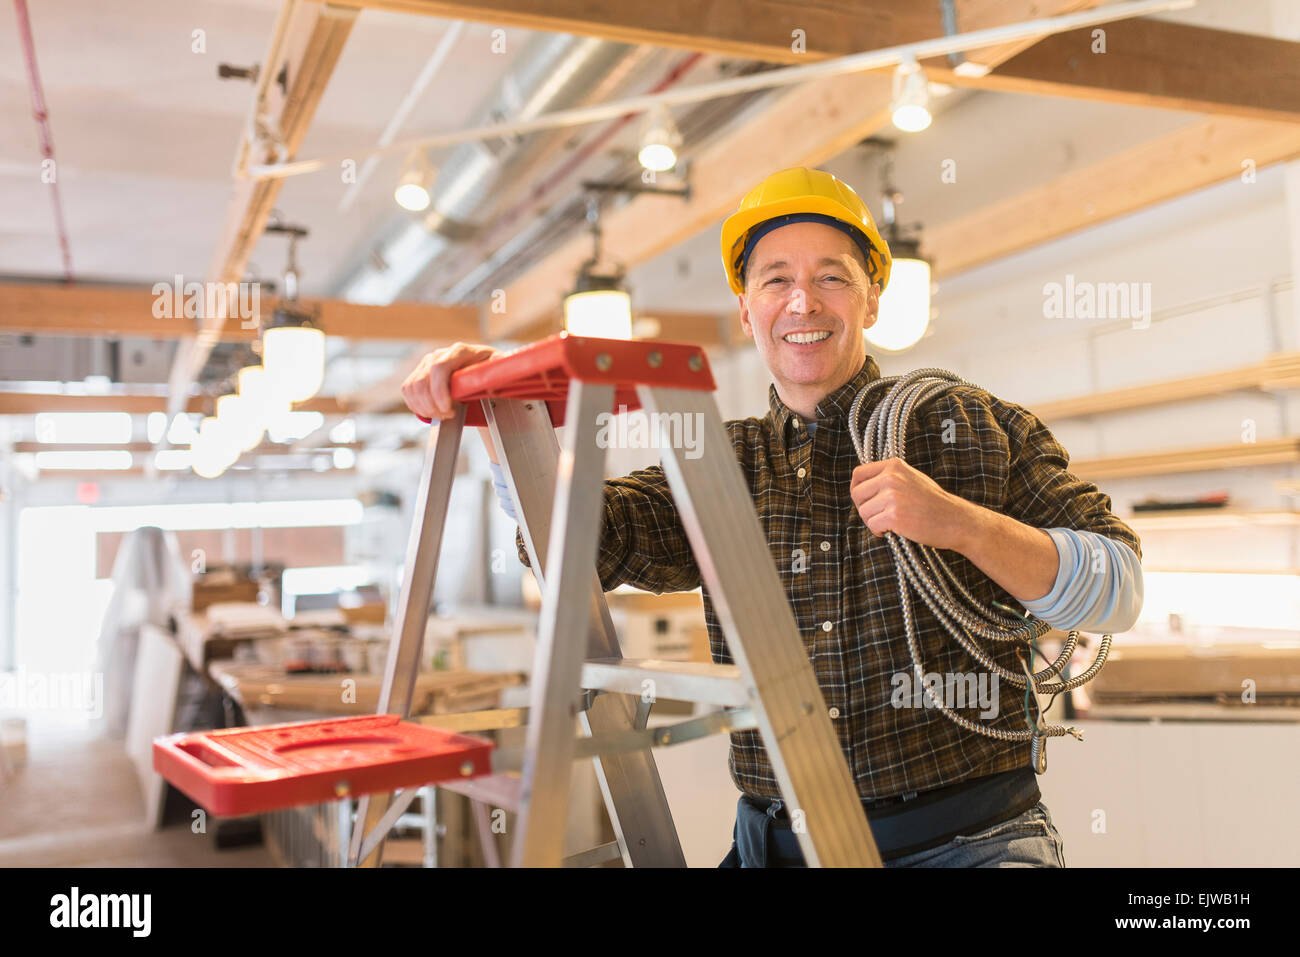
919	568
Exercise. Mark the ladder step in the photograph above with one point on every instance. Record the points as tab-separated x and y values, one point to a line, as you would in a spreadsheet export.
600	854
696	681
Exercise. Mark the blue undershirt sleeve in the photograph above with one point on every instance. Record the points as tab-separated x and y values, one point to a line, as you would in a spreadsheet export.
503	491
1098	587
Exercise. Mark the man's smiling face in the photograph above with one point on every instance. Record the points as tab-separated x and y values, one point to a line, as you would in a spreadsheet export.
807	301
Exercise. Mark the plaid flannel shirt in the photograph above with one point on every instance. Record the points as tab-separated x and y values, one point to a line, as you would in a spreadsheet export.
836	571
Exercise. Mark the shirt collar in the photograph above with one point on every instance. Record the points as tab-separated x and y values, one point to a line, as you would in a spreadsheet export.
832	409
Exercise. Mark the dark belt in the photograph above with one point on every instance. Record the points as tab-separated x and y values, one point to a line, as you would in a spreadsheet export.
908	823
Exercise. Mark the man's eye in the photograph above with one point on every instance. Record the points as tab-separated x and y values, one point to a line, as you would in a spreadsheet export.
836	278
774	279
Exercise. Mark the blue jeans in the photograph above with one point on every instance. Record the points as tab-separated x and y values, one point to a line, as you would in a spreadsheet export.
1029	840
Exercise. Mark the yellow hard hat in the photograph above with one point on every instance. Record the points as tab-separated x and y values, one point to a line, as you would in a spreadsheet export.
796	195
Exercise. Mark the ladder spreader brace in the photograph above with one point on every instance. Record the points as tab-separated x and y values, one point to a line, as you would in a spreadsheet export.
558	496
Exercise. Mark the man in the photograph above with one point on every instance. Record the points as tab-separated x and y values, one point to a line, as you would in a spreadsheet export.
985	482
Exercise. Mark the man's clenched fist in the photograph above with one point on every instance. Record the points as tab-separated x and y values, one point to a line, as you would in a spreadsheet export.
892	496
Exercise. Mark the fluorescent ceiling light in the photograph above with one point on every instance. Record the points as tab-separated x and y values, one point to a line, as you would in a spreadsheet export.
182	431
172	460
109	460
292	426
101	428
155	426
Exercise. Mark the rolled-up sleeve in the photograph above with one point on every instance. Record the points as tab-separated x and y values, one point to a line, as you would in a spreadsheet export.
1100	581
1098	585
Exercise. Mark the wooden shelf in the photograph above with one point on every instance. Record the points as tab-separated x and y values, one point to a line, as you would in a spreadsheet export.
1278	371
1201	518
1164	570
1195	711
1199	459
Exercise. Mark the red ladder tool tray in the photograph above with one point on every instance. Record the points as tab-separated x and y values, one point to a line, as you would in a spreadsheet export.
253	770
543	370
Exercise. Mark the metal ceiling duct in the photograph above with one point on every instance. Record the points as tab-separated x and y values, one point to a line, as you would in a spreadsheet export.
555	71
558	223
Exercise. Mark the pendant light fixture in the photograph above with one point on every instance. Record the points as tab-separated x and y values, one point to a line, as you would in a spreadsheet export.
414	189
239	415
293	348
293	355
660	140
213	449
904	314
599	305
910	107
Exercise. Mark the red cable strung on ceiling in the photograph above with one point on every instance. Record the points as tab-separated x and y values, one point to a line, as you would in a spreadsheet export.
43	124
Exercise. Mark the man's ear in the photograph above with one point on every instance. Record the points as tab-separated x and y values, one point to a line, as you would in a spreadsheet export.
744	315
873	312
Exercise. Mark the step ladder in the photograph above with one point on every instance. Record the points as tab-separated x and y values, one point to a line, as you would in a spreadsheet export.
578	669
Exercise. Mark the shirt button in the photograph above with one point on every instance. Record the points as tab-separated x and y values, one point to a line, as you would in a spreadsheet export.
802	472
834	712
826	626
826	546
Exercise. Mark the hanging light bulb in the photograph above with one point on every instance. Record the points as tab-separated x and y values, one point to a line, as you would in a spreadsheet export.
905	304
660	140
414	187
293	355
599	306
293	349
251	383
255	387
241	417
212	451
911	103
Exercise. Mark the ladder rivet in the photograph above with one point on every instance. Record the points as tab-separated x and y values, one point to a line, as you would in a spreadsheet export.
466	768
642	842
695	363
342	789
655	359
603	361
665	737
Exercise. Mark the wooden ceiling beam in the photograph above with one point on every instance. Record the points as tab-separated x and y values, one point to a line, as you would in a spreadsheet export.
266	448
753	29
111	311
31	403
315	36
1146	62
1199	155
983	14
699	328
1155	63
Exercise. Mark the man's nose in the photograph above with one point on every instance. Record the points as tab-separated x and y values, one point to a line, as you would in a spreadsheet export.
803	300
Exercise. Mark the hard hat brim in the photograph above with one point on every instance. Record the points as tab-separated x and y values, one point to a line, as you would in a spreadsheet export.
736	226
